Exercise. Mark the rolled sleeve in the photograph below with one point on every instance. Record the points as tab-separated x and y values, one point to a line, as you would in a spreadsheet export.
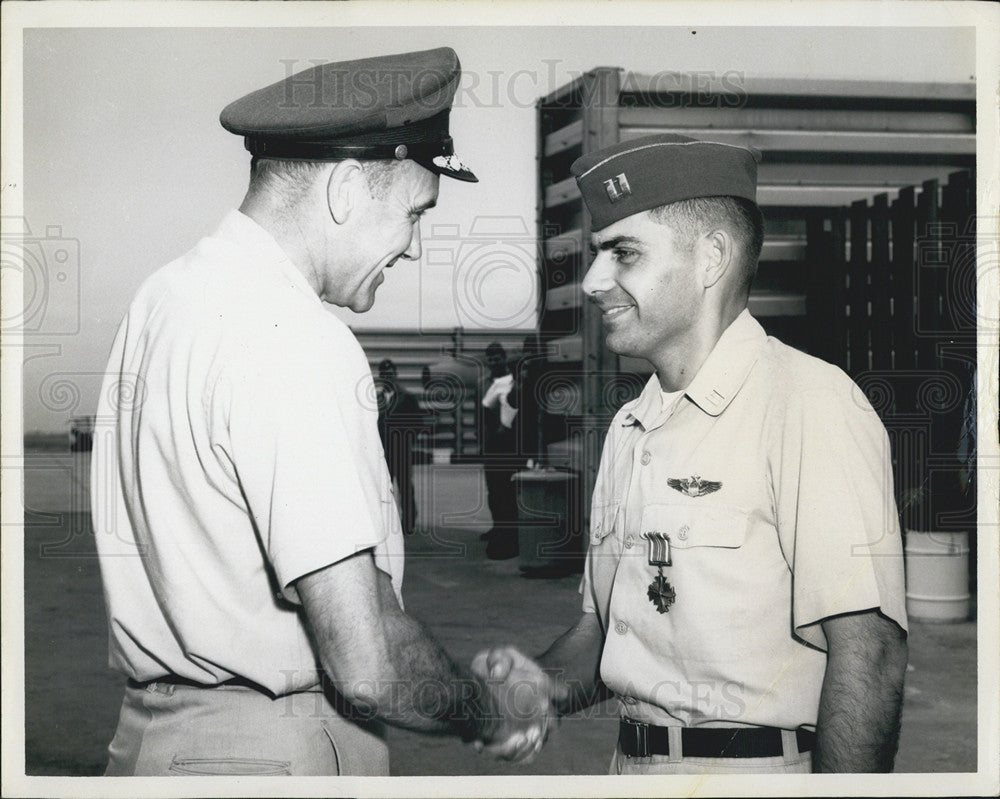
837	518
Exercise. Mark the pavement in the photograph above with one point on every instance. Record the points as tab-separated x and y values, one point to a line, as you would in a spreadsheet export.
466	601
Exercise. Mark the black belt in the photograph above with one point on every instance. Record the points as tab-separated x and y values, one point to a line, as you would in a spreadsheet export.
174	679
642	740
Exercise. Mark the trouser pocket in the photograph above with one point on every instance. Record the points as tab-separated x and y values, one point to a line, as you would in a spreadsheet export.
229	766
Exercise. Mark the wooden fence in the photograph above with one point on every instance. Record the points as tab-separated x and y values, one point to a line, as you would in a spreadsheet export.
892	300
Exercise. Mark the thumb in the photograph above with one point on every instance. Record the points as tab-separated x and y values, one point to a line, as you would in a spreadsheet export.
500	662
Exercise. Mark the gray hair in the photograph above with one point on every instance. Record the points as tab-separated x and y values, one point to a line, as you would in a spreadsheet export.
291	180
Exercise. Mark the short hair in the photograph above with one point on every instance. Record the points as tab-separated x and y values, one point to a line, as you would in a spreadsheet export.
386	367
741	217
293	179
495	350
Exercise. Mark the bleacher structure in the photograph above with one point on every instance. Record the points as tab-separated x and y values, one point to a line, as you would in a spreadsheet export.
452	415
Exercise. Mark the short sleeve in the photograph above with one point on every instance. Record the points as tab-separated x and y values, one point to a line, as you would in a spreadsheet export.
305	458
598	573
837	519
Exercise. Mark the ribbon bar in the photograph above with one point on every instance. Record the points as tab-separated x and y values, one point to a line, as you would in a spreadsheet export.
659	549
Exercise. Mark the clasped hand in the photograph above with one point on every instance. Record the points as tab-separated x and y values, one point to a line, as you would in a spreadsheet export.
524	696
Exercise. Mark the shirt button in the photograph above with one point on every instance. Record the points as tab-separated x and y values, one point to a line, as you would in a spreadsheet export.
682	534
621	627
629	541
646	458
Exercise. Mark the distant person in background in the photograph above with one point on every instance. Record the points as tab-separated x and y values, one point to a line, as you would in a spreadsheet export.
524	397
399	419
501	459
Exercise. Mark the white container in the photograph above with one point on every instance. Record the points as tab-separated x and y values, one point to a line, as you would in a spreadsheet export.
937	576
441	455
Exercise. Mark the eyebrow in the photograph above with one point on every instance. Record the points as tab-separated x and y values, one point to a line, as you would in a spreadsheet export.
610	244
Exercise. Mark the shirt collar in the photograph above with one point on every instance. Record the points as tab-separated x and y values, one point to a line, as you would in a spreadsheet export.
645	408
262	249
727	366
718	381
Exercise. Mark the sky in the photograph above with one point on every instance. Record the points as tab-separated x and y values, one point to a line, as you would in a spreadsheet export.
125	165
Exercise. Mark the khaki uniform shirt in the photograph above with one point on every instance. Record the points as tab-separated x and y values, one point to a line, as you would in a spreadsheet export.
771	477
237	450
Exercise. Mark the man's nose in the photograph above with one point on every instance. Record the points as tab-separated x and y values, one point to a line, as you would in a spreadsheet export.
599	277
412	252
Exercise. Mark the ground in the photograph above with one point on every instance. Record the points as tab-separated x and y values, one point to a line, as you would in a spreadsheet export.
72	698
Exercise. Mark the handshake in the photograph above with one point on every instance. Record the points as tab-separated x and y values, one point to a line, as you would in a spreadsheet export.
525	699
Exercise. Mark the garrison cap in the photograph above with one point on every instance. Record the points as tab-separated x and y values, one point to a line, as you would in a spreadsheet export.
387	107
641	174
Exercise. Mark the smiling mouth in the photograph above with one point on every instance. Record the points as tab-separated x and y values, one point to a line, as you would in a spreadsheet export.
615	311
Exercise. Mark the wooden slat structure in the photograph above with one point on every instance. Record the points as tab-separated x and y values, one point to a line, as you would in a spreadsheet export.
905	330
825	145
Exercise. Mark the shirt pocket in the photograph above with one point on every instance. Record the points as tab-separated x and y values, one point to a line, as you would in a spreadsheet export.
690	526
603	518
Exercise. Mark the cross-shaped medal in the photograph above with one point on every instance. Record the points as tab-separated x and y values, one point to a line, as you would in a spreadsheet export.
660	592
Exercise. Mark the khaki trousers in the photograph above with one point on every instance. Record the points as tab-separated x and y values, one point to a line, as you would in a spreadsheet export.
169	729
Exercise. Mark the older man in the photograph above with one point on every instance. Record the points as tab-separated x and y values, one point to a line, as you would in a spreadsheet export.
743	594
250	548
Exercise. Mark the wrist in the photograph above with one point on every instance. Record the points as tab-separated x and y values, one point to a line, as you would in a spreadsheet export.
477	717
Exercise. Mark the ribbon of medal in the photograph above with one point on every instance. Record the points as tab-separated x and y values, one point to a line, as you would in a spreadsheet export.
660	592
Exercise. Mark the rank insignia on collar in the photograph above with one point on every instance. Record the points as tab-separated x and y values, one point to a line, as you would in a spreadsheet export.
693	486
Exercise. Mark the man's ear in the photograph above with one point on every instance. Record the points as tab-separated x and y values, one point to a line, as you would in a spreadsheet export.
717	250
345	188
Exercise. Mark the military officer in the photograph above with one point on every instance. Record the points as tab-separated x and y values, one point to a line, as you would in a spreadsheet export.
251	552
743	597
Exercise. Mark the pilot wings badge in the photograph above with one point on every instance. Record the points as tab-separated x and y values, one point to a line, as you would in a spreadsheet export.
693	486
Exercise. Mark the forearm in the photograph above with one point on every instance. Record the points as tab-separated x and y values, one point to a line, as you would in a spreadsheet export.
574	659
861	700
431	691
384	662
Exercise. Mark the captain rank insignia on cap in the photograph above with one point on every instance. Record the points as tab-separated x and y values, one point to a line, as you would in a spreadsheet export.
387	107
617	187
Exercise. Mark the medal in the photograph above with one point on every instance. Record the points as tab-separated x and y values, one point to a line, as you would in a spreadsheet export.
660	592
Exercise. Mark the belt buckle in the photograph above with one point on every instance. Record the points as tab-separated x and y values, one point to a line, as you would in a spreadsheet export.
640	735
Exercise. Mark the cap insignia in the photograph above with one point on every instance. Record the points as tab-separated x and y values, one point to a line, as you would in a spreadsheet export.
450	162
617	187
